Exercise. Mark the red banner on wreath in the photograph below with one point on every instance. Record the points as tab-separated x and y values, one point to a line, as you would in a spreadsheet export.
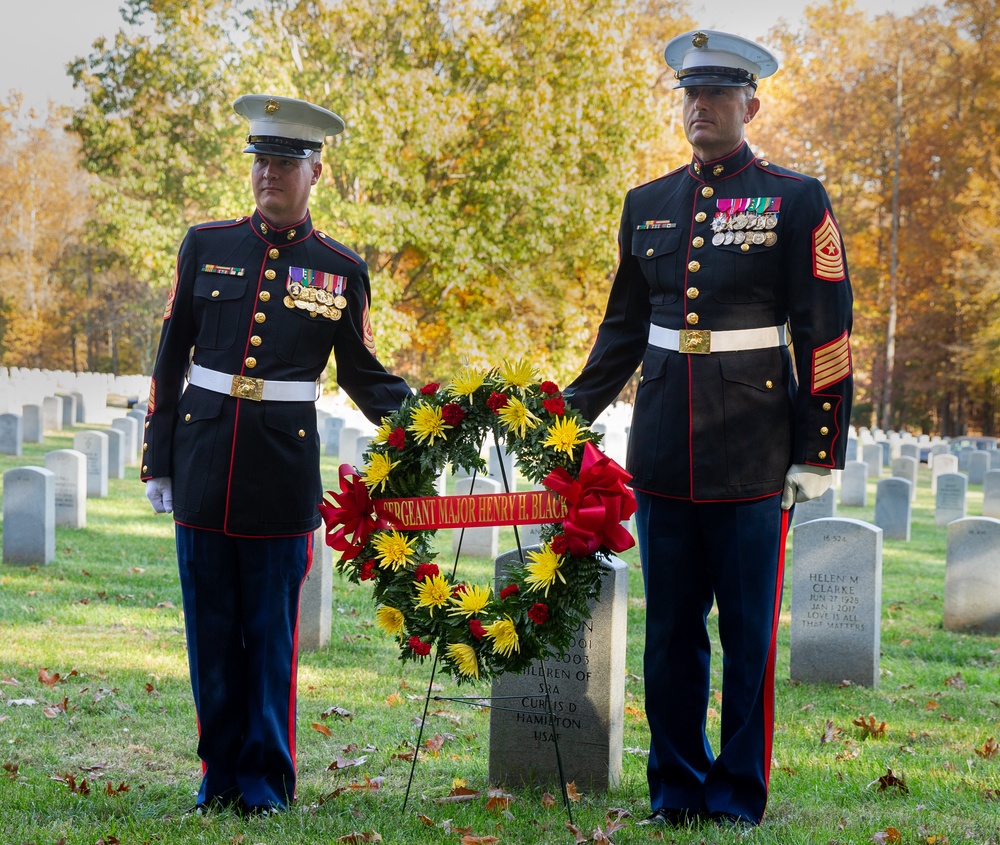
428	513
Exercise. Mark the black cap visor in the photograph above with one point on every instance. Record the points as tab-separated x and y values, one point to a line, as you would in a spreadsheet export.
268	145
725	77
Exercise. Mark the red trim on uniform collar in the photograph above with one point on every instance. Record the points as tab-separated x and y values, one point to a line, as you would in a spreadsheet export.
722	168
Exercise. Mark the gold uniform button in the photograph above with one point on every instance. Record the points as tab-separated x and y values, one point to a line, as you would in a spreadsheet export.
265	296
826	406
145	446
700	217
145	469
259	317
269	274
708	192
147	424
693	318
822	455
215	293
765	163
251	362
649	251
692	293
301	433
769	384
824	430
273	253
187	418
255	340
745	247
698	242
694	266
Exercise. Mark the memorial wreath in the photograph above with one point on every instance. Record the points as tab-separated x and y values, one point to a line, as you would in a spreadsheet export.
480	633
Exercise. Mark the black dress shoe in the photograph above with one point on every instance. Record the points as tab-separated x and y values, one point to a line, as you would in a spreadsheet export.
669	817
731	821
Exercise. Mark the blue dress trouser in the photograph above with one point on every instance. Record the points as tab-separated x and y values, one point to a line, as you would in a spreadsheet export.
694	553
241	610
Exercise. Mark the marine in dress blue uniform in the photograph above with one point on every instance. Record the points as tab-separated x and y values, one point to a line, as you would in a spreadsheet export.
723	263
231	443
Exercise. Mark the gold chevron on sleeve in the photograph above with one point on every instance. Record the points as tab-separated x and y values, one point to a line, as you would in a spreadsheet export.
831	363
828	255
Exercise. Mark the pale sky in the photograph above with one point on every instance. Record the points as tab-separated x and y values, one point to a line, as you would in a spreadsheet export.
45	35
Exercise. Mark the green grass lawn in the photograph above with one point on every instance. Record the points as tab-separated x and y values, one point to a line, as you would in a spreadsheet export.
106	752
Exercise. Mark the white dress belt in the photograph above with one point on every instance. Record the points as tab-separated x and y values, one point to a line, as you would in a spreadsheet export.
257	389
703	341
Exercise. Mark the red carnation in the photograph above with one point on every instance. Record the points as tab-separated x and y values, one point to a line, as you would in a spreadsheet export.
548	387
425	570
496	401
367	571
509	590
477	629
539	613
559	544
430	388
458	589
397	438
452	414
556	405
419	646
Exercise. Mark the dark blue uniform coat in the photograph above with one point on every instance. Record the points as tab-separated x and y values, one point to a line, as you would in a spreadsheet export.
246	478
726	245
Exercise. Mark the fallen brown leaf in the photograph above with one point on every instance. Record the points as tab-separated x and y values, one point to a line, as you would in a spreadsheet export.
572	793
990	749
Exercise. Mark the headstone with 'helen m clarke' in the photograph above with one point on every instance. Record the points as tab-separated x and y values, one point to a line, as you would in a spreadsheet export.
836	602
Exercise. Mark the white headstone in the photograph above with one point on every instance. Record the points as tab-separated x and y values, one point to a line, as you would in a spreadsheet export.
972	576
29	519
906	466
331	434
944	463
316	597
68	410
949	500
586	689
893	501
477	542
52	413
872	455
116	452
854	484
836	602
11	434
991	494
822	507
34	431
69	467
130	427
94	444
347	446
501	465
979	465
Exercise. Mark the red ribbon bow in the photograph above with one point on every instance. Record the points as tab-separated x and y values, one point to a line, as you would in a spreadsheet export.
352	510
598	503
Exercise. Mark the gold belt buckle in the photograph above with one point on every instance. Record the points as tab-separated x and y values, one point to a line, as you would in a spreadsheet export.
245	387
694	342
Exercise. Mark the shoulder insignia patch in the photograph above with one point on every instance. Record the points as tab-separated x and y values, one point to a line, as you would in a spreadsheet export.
831	363
367	333
828	255
169	308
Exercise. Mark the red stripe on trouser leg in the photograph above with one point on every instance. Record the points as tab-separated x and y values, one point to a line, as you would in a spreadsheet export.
769	678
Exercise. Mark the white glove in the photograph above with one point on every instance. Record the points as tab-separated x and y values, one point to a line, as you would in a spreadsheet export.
803	483
160	493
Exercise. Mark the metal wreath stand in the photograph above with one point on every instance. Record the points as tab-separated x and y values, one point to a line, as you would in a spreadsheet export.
477	701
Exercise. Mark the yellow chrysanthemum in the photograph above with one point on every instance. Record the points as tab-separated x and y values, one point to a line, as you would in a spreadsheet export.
394	550
465	659
434	591
377	472
518	374
467	383
383	432
564	435
426	424
471	602
517	418
389	619
503	632
543	569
